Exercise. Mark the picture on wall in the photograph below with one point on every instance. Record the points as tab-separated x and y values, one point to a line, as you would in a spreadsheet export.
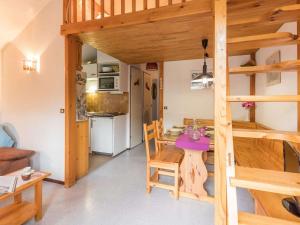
274	78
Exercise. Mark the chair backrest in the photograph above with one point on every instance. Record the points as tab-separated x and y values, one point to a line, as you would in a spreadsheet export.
204	122
150	134
188	122
159	125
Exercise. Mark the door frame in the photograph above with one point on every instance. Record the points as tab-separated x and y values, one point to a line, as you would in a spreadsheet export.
130	102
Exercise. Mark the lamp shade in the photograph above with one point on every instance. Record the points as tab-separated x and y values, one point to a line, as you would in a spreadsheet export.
152	66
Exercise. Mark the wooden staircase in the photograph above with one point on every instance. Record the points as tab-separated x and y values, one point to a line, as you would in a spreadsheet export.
253	178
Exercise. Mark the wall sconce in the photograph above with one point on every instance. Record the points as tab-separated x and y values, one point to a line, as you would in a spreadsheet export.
29	65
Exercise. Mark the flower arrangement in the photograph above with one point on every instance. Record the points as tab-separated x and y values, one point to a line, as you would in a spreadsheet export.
248	105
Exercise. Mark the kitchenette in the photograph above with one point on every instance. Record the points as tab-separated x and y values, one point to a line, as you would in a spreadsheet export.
107	104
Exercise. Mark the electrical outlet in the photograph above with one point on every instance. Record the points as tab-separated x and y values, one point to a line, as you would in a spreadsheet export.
165	107
62	110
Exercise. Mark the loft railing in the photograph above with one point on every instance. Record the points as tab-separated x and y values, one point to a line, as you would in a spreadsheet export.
75	11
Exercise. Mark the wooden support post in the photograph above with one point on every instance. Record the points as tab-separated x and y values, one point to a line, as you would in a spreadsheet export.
221	123
161	90
298	77
252	91
72	63
145	4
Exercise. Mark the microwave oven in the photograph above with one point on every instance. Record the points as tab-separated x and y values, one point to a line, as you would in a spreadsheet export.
109	83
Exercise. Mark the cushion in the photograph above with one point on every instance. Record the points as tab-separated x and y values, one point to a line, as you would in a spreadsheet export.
5	139
7	154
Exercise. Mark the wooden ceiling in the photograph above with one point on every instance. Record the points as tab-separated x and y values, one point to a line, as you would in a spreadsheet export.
175	32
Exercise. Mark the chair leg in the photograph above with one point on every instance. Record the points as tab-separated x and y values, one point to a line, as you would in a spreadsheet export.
148	175
176	178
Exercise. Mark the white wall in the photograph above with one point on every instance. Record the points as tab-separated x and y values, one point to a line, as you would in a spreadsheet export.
1	68
31	102
183	102
281	116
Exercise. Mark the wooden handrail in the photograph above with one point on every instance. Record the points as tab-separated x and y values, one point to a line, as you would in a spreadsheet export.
97	11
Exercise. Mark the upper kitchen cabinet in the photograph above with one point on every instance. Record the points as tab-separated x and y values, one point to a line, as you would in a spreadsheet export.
90	69
109	66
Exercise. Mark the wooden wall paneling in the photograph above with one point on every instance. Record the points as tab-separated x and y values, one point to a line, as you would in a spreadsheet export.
72	63
161	90
220	71
252	91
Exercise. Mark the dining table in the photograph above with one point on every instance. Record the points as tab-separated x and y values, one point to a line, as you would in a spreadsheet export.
193	171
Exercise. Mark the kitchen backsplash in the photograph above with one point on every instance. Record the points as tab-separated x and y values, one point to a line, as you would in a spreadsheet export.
106	102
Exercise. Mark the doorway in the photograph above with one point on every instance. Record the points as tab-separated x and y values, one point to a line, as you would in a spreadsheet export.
136	106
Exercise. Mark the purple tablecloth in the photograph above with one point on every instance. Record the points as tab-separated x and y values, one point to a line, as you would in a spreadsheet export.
184	141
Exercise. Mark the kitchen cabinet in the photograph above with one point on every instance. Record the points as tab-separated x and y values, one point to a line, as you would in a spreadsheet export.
90	69
109	134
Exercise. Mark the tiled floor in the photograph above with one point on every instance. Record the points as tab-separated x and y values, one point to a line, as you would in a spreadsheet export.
114	194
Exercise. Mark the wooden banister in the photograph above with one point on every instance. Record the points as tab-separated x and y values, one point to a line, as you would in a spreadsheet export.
112	7
122	6
157	4
92	9
83	10
102	9
74	9
133	5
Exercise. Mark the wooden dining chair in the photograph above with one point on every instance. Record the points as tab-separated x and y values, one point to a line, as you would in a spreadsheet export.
188	122
204	122
165	162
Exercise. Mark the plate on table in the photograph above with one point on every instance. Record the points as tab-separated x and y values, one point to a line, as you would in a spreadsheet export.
175	131
179	127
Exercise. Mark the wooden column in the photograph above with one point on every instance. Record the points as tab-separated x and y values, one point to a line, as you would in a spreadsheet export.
252	91
161	90
221	124
72	63
298	77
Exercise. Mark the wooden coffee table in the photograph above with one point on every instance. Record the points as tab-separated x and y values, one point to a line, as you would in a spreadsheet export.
21	211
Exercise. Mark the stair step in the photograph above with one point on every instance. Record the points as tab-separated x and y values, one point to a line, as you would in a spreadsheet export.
268	134
267	180
291	65
252	219
257	98
262	41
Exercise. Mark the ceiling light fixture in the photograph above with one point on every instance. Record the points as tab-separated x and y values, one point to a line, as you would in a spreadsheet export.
205	79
